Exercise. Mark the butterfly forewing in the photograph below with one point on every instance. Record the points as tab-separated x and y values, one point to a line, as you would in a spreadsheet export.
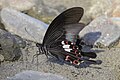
70	16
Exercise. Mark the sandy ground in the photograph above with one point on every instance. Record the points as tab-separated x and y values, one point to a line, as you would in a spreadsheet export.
109	69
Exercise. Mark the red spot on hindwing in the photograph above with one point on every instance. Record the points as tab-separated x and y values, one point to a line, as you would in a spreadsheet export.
76	62
73	56
66	42
67	58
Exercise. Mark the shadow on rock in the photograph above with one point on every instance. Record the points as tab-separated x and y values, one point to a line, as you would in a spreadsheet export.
84	64
91	37
87	64
89	42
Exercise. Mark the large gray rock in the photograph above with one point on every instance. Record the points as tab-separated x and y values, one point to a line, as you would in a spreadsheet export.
17	4
23	25
101	32
34	75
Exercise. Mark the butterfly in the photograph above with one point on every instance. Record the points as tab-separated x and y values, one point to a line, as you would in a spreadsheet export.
61	40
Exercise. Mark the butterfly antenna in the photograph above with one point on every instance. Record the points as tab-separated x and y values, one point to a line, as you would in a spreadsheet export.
30	34
36	55
37	63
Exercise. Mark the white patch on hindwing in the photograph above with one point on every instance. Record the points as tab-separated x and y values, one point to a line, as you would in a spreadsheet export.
66	45
63	42
68	50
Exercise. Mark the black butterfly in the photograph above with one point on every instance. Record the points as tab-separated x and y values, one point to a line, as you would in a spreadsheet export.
61	40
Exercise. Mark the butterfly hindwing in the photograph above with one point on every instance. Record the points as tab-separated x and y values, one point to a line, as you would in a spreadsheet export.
72	31
59	52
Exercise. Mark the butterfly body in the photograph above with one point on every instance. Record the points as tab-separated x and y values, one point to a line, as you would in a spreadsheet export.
61	40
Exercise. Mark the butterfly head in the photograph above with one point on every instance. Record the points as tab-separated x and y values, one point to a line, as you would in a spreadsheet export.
40	47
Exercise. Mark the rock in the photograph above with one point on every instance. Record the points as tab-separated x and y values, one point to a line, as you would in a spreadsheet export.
99	8
23	25
21	5
118	45
116	12
2	26
104	7
116	20
101	32
46	10
19	42
34	75
43	12
10	48
1	58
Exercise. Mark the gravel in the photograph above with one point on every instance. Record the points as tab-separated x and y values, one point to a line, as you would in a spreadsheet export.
109	69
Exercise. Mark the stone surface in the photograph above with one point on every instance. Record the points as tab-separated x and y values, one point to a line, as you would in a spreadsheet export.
1	58
99	8
46	10
34	75
101	32
116	12
17	4
116	20
19	42
10	48
104	7
23	25
2	26
109	69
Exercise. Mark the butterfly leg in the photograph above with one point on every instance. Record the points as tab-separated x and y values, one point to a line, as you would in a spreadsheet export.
35	56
